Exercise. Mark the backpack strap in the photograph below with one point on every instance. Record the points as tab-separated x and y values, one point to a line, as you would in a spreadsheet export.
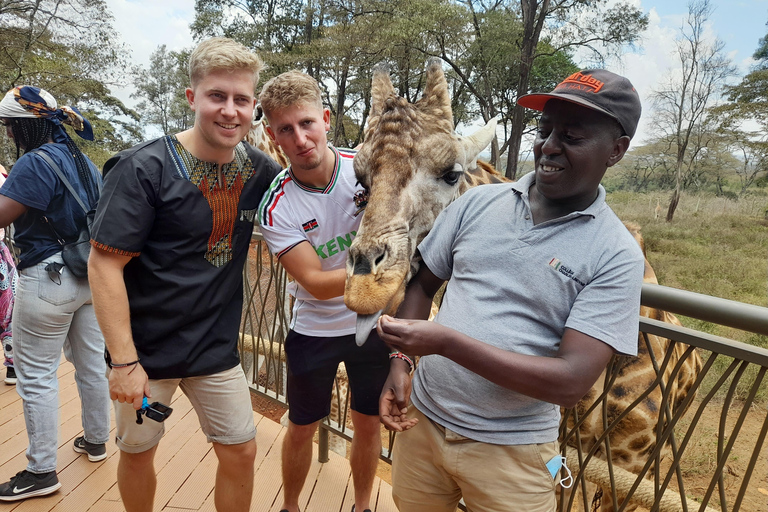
63	178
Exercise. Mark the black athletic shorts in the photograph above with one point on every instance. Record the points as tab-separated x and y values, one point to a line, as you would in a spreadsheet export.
312	365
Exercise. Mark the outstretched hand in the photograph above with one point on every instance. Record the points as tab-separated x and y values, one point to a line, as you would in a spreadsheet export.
393	403
412	337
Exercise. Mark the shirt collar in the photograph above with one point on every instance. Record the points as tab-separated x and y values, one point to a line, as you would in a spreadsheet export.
523	185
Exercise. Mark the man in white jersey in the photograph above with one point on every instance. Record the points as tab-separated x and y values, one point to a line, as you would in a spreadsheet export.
309	217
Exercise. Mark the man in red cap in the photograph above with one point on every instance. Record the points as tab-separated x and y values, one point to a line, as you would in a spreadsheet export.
544	287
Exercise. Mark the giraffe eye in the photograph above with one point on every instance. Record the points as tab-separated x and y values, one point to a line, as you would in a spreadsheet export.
451	174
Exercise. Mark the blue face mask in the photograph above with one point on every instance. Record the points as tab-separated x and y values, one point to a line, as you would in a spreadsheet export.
554	465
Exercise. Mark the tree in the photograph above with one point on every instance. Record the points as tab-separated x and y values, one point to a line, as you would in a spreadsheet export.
162	91
482	42
646	168
273	28
68	48
748	101
587	24
753	157
682	101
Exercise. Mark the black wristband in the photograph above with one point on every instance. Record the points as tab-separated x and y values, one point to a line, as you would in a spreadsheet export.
125	365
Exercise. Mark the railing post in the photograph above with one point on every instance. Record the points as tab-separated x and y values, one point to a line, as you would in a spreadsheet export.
322	441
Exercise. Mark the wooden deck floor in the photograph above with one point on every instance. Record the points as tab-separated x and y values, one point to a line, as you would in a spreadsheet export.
185	465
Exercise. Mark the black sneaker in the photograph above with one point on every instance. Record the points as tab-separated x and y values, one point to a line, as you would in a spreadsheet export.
10	376
96	452
26	485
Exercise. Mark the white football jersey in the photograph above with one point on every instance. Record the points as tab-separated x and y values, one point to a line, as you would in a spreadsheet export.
328	218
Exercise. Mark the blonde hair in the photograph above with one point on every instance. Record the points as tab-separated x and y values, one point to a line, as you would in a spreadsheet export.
290	88
222	53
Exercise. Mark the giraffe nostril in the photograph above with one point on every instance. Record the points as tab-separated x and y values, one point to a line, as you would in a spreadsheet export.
362	265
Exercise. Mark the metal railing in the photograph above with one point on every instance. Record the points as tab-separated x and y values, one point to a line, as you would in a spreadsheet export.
685	434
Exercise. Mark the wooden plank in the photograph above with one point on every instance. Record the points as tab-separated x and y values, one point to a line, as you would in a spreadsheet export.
10	401
268	476
179	428
185	464
309	483
92	483
8	395
73	470
107	506
180	467
196	489
12	458
384	502
333	474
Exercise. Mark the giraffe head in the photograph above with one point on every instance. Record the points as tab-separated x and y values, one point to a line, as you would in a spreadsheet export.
413	164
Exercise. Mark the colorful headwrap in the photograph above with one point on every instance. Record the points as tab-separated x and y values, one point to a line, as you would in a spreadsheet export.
33	102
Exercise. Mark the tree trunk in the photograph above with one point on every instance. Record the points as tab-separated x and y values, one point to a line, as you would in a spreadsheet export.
495	157
673	203
533	21
341	97
515	139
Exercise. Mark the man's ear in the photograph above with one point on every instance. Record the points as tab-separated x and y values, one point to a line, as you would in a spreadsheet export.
620	147
190	94
327	119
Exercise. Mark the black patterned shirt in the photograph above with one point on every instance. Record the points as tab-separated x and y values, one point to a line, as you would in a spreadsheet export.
188	236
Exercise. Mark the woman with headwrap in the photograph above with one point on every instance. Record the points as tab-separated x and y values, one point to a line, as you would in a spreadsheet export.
53	309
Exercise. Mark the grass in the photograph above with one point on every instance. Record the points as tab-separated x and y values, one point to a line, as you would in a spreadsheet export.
713	246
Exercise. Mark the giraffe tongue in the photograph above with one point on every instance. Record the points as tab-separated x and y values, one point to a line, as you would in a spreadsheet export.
365	324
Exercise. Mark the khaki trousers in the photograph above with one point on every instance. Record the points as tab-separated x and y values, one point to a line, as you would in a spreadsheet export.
434	467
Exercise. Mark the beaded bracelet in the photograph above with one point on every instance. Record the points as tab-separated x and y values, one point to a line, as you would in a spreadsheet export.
125	365
400	355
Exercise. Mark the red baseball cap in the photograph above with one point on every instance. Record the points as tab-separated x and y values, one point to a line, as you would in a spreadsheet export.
597	89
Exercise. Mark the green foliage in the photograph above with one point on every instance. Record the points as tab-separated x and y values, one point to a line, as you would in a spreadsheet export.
270	28
339	41
162	90
68	48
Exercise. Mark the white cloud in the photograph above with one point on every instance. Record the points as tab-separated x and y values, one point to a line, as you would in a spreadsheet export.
657	57
143	26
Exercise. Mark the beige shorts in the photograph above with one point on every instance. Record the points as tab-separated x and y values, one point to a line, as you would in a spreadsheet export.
222	402
433	468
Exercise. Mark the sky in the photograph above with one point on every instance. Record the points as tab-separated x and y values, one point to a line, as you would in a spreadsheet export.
143	25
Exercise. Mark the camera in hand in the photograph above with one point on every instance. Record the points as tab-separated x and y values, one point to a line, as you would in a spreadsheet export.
154	411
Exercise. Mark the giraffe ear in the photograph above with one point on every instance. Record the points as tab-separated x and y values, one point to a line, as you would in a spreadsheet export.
381	88
436	99
478	141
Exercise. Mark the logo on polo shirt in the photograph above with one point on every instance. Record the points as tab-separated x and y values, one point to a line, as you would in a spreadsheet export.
309	225
567	272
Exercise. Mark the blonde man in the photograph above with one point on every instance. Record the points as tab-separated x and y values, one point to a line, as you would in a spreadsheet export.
170	239
308	218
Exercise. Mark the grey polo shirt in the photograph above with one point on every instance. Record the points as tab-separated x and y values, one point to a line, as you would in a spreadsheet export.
518	286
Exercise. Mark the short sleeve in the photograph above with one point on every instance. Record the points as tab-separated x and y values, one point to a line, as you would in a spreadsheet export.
31	182
437	247
126	211
280	230
607	308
